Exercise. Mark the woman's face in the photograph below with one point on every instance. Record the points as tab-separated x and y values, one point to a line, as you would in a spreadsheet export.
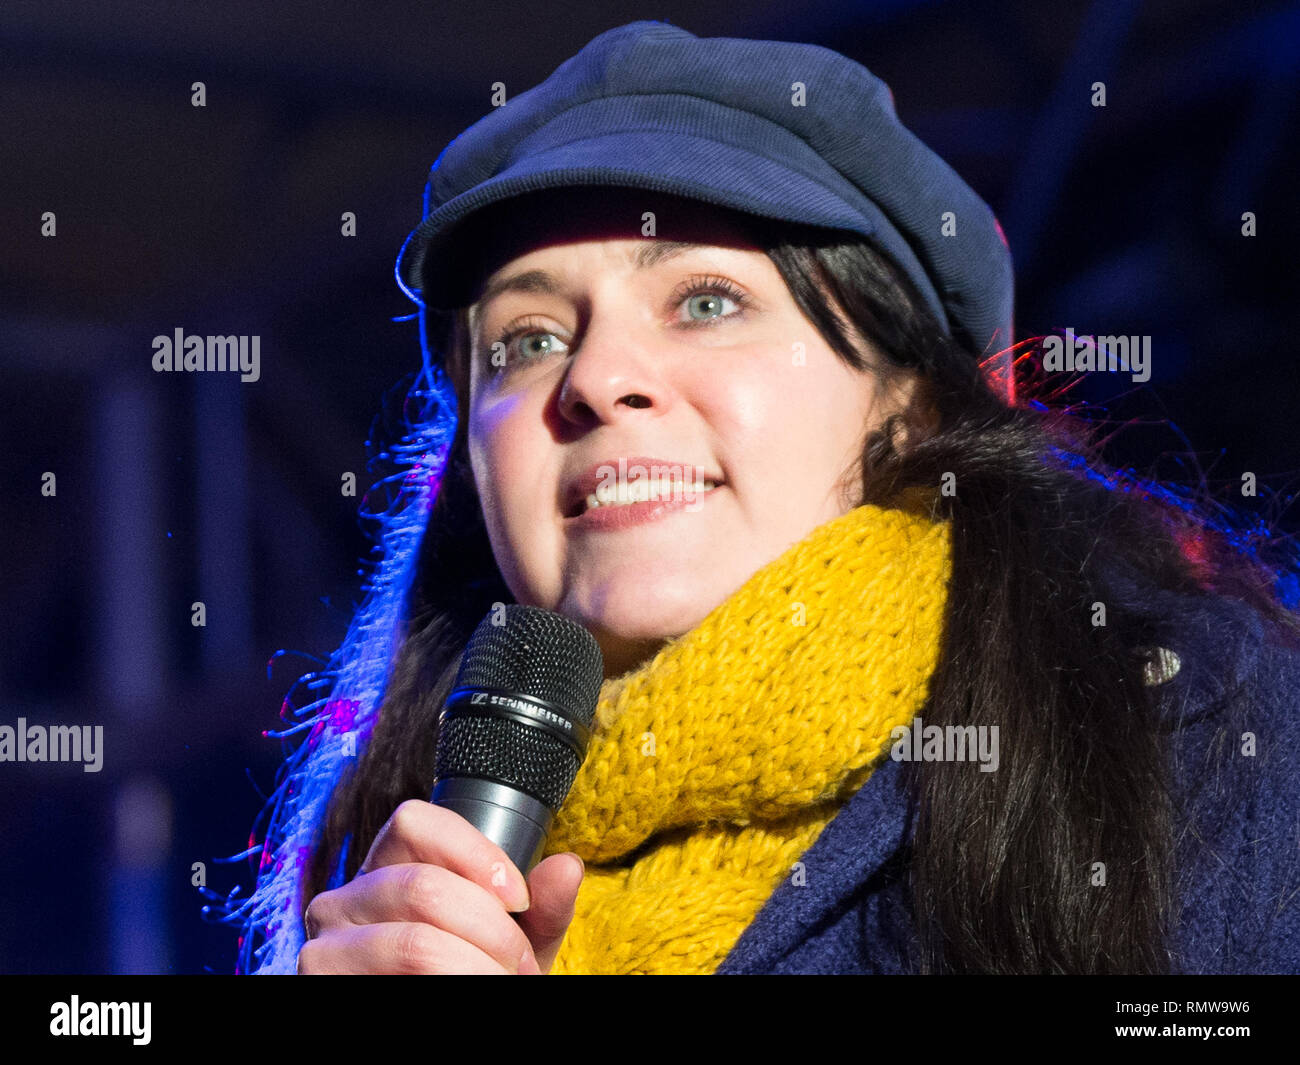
626	347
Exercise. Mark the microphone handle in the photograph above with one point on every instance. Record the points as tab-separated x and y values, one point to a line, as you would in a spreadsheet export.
510	818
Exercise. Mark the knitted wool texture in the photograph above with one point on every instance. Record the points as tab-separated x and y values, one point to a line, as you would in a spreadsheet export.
715	765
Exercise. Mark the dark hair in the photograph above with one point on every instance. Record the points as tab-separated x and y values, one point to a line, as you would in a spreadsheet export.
999	862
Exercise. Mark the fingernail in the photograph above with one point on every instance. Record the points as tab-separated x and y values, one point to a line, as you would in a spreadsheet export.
512	890
528	965
523	900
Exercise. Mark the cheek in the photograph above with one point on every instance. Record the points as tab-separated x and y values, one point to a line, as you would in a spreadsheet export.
749	392
790	421
780	397
513	480
494	458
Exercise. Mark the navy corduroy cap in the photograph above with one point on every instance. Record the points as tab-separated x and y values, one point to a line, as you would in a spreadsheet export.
793	132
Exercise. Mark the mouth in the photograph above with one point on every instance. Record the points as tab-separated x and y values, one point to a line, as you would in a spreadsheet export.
624	495
608	484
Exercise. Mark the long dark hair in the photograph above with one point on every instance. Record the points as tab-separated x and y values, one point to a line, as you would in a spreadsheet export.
999	862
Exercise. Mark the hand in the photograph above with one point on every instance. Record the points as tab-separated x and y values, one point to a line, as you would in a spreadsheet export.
435	895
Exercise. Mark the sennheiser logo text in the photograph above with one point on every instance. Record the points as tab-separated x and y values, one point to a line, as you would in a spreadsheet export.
102	1018
196	354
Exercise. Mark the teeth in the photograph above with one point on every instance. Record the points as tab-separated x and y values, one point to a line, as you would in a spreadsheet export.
644	490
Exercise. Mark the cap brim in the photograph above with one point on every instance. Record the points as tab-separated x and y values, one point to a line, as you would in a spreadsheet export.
673	163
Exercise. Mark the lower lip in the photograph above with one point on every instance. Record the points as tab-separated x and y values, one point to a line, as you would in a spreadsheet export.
605	519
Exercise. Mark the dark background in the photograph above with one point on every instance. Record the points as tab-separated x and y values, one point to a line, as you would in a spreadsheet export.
225	219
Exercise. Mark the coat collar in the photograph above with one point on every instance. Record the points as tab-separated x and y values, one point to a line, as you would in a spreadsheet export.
859	840
1216	641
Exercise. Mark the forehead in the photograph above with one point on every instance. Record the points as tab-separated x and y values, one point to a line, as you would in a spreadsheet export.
555	218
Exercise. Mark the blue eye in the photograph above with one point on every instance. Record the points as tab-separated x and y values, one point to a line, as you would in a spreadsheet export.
525	333
705	299
545	349
708	304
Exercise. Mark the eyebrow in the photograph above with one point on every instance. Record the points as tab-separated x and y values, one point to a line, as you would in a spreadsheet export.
540	281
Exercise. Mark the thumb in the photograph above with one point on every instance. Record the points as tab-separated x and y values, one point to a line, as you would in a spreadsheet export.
552	889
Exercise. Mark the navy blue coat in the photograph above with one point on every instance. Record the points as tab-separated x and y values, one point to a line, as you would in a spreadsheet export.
1240	874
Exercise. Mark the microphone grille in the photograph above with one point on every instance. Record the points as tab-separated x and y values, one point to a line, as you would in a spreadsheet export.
539	653
504	750
531	652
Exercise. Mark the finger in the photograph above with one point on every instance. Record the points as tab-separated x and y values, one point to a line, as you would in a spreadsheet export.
419	831
395	948
425	894
554	884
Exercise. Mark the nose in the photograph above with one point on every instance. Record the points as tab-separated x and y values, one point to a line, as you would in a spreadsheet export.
612	368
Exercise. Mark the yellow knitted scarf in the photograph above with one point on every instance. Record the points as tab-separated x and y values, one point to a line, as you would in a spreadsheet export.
716	764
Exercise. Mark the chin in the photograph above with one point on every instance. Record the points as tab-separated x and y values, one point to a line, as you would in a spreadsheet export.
643	612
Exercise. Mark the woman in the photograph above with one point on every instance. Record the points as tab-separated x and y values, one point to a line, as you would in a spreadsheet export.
904	680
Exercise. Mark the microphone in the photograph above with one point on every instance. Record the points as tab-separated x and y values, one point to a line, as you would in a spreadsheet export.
514	730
